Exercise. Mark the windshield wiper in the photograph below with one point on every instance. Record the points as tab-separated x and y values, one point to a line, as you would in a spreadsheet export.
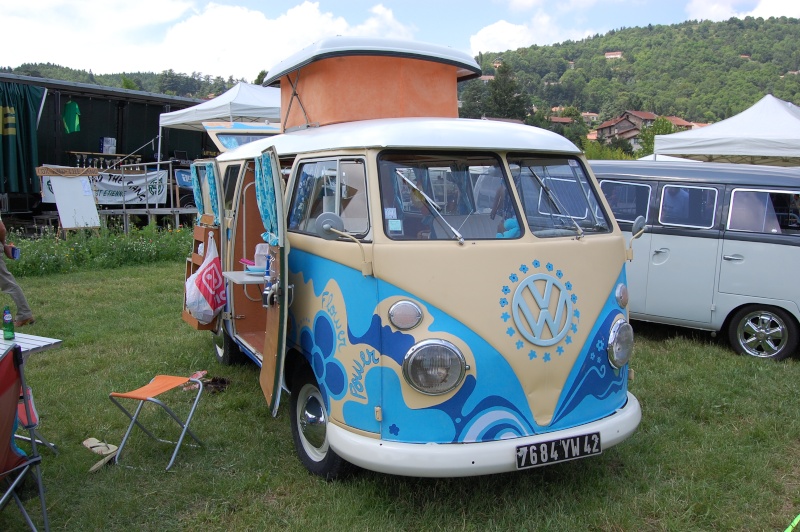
557	204
433	206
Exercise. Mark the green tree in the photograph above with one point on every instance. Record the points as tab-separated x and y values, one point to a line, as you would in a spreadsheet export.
505	98
128	83
660	126
473	99
169	82
595	150
260	78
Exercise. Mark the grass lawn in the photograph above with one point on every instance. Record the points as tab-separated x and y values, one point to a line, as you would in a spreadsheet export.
718	447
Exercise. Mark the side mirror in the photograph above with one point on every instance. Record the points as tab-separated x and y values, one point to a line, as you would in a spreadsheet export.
329	225
638	227
637	230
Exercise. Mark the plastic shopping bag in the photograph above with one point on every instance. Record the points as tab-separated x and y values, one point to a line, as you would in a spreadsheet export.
205	288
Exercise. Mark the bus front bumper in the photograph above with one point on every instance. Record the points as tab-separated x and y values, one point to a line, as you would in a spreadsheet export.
469	459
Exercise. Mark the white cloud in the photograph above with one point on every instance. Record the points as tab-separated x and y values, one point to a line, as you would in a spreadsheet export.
776	8
109	36
724	9
523	5
711	10
542	29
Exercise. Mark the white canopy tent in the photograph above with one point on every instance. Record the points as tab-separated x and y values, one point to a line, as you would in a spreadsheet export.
242	103
766	133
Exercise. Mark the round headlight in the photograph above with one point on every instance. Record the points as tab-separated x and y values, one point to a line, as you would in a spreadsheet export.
621	294
434	367
620	343
405	315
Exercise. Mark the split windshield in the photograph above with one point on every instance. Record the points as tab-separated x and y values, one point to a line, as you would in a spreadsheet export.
452	196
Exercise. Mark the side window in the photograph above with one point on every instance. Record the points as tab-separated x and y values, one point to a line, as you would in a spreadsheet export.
688	206
763	211
338	186
229	184
627	200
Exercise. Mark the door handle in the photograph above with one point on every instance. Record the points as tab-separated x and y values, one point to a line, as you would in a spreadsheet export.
735	258
660	250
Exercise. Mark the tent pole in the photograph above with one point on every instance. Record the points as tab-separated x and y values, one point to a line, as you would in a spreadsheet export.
158	154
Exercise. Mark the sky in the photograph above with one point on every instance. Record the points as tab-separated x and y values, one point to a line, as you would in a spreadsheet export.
240	38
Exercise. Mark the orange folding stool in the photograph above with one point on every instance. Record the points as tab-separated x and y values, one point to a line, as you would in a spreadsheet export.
148	393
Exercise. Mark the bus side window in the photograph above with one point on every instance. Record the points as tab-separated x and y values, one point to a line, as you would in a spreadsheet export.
688	206
752	211
627	200
353	186
330	186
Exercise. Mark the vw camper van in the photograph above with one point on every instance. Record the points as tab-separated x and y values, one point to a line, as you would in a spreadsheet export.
719	252
440	297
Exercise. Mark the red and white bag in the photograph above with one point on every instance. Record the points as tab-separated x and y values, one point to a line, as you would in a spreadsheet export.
205	288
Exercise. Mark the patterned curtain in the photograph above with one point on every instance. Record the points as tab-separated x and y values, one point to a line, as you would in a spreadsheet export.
265	195
198	195
212	191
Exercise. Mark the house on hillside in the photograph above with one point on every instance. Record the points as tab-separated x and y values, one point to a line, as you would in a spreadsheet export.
679	123
628	127
590	118
630	124
565	120
614	55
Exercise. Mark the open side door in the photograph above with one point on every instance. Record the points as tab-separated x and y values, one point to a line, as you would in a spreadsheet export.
276	289
206	182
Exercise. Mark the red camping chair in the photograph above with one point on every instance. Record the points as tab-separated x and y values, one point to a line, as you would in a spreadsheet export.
15	465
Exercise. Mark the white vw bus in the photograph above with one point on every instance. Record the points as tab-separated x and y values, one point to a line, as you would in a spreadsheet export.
720	249
442	297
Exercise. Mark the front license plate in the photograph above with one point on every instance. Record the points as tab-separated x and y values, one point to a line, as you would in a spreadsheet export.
561	450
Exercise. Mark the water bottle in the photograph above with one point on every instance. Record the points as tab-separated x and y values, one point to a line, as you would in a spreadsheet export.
8	324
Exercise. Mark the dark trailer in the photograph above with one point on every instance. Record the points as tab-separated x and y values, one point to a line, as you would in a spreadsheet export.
53	122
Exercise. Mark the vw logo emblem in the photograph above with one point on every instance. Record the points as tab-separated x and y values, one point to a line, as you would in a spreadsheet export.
542	309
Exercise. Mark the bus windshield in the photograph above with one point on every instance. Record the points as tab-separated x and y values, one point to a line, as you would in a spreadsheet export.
446	196
557	196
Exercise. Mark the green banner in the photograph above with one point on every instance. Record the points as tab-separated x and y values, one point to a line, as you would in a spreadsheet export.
19	148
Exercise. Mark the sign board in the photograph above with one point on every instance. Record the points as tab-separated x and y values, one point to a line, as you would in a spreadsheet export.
111	188
75	201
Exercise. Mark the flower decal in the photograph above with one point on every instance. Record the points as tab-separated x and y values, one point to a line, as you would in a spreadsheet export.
320	344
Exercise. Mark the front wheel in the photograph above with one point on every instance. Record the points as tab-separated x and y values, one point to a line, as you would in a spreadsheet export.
763	332
309	428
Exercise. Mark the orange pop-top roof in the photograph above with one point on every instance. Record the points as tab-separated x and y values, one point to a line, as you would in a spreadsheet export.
346	79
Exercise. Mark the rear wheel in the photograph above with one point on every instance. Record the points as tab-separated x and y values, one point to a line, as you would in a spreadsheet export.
228	353
309	428
763	332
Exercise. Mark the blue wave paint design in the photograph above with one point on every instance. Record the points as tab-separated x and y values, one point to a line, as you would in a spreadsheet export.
594	387
490	408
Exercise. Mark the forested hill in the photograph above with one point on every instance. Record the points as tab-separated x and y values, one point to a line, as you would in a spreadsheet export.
700	71
194	85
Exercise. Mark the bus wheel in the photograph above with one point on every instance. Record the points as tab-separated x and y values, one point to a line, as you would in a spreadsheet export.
228	353
309	428
763	332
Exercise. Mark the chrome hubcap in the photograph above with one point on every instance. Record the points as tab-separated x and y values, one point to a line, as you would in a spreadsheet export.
761	334
312	420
